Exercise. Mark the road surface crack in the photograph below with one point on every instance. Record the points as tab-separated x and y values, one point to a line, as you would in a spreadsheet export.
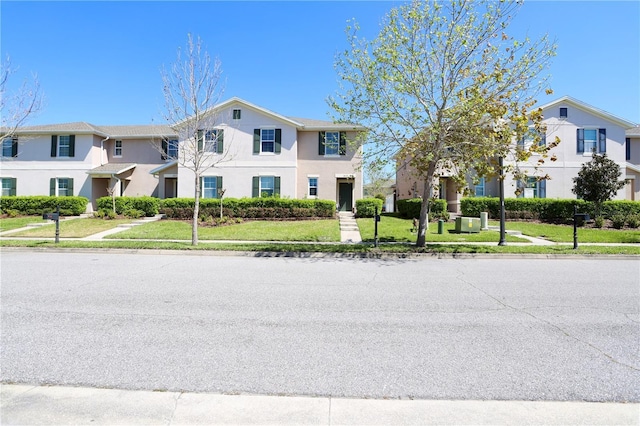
557	327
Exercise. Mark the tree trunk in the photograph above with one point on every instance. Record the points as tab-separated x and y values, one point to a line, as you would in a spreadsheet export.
196	213
425	208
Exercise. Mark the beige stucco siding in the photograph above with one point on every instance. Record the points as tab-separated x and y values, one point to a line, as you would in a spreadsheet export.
327	168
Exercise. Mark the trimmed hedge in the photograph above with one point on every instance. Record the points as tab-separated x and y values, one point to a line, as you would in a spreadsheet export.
410	208
249	208
38	204
545	209
366	207
149	205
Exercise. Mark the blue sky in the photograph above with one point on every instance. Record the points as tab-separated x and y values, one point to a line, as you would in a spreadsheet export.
100	61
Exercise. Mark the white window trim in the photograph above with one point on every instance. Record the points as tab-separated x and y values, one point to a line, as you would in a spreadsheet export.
273	188
317	178
326	145
60	146
215	188
115	149
58	178
262	129
589	152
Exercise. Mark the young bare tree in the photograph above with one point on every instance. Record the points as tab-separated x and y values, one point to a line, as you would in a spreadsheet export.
17	105
443	87
192	87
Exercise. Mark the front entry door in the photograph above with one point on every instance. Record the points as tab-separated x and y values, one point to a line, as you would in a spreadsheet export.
345	196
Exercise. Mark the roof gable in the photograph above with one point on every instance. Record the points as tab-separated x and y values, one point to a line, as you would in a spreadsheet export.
568	100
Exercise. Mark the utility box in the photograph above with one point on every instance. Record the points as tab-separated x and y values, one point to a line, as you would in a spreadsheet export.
468	224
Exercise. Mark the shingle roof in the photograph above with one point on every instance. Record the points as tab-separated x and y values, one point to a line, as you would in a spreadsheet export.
311	124
634	131
145	130
111	168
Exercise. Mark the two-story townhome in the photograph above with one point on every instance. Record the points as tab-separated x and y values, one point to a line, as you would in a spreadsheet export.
632	157
256	152
81	159
261	153
582	130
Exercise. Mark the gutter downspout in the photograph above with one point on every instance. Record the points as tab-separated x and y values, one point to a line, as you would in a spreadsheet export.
102	149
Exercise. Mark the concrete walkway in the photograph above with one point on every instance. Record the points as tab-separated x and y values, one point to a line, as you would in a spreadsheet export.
39	405
349	231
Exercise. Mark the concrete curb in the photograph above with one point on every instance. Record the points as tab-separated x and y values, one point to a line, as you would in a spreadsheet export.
27	404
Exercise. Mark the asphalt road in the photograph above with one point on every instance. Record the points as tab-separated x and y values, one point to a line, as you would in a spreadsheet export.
487	329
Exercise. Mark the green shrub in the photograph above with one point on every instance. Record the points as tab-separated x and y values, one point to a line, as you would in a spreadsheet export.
99	214
367	207
618	220
410	208
544	209
134	213
598	222
38	204
633	220
253	208
148	205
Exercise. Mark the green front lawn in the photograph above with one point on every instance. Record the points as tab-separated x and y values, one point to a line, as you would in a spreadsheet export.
325	230
9	223
564	233
393	229
73	228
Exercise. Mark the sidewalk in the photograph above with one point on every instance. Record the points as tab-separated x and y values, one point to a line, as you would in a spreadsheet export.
26	404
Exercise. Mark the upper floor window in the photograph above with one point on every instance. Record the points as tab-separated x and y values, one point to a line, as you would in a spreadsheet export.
117	149
531	137
169	149
8	186
332	143
237	114
63	146
210	140
10	147
563	113
591	140
267	141
627	149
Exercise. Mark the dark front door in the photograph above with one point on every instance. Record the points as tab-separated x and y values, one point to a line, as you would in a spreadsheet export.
345	197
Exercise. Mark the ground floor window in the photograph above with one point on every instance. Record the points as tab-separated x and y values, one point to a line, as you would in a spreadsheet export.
478	189
266	186
313	187
8	186
533	188
61	187
210	186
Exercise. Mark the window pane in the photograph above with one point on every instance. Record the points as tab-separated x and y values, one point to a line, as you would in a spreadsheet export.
63	146
7	147
267	186
6	187
172	148
332	143
209	187
63	187
313	187
268	138
590	140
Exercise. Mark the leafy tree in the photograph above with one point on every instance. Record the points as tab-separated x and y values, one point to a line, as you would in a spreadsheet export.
192	88
443	87
17	105
597	181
